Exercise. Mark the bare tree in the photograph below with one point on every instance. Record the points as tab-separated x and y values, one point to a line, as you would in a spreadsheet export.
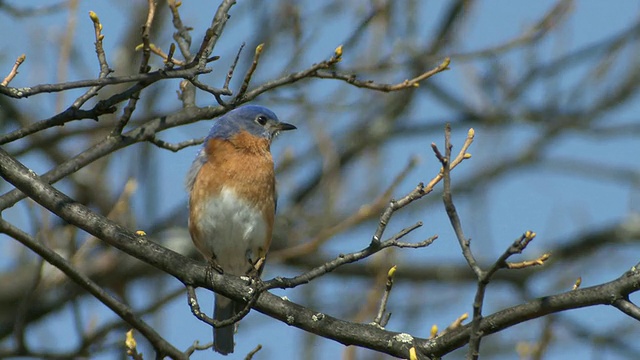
375	160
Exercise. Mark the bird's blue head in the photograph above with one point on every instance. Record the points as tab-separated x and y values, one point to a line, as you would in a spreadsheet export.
256	120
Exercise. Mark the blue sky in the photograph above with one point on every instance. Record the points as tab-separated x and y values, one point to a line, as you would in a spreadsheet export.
553	203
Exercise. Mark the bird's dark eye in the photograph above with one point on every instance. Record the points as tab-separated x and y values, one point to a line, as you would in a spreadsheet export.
261	120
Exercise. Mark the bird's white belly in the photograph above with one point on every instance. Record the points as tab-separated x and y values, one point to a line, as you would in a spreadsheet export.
232	230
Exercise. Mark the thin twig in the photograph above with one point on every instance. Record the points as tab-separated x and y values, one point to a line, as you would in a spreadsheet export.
71	114
253	352
126	113
14	70
181	36
250	71
175	147
214	32
411	83
102	60
203	47
476	337
217	93
143	69
148	78
291	78
448	201
209	89
483	280
516	248
342	259
146	43
421	190
168	59
232	68
196	346
529	263
385	298
628	308
194	305
364	212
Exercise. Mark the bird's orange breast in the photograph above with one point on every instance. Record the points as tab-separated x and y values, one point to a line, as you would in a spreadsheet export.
243	164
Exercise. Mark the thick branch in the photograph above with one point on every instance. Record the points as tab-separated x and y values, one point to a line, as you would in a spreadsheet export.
190	272
604	294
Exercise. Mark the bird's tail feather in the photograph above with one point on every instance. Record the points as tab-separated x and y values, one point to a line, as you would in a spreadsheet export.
223	309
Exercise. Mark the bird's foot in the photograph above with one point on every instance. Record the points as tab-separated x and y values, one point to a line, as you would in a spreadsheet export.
257	267
213	263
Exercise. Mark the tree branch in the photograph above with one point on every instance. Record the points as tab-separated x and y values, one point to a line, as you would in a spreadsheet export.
119	308
190	272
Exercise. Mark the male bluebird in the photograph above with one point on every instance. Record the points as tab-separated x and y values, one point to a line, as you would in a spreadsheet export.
232	201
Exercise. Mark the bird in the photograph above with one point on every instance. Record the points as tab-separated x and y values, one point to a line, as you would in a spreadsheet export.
233	200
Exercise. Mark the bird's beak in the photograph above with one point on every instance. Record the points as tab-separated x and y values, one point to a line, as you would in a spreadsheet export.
284	127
